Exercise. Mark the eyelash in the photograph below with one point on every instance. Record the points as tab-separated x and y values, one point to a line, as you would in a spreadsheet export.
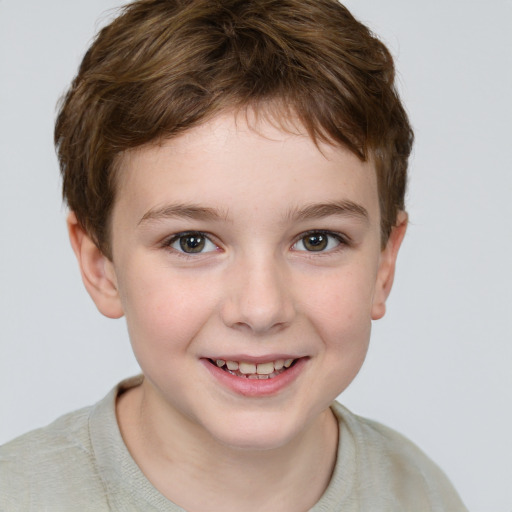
342	241
169	242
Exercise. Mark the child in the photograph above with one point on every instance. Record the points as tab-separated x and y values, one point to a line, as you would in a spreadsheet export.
235	172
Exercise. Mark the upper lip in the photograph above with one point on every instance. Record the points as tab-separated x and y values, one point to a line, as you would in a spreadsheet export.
254	359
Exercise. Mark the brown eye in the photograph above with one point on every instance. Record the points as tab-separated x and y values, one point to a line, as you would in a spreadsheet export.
315	242
318	241
192	243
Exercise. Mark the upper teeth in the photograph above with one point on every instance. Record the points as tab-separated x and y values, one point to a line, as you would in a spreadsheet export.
252	368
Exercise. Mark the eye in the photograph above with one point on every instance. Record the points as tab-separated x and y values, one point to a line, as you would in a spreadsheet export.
193	242
317	241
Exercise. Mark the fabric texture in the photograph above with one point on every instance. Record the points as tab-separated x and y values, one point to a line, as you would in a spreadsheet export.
80	463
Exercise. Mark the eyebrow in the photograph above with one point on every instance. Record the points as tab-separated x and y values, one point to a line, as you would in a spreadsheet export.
320	210
186	211
310	212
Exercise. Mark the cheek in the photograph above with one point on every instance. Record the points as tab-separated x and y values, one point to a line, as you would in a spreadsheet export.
164	312
345	327
339	308
341	302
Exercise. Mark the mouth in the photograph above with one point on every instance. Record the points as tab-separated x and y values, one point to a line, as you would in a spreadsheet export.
254	371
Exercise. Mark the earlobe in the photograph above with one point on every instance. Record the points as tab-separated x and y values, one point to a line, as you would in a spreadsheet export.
386	271
98	274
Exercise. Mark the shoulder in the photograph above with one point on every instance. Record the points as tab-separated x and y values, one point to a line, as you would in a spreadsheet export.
397	468
61	433
50	466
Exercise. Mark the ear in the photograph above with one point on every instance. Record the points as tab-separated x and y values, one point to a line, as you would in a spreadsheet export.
97	270
386	271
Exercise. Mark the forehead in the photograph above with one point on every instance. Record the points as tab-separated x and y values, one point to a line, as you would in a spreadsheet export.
243	164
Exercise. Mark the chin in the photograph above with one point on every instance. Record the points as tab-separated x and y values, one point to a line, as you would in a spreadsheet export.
255	435
255	443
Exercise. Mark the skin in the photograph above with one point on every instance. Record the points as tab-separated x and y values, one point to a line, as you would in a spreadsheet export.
255	291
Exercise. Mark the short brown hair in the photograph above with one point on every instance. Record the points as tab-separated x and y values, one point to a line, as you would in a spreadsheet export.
165	66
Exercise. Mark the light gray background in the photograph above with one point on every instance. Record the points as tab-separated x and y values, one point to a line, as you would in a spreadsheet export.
440	364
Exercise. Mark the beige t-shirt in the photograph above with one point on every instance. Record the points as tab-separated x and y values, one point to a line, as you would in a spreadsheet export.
80	463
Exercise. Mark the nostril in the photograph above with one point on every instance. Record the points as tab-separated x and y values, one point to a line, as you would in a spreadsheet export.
259	301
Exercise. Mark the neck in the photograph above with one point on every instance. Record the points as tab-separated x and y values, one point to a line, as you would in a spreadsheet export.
198	473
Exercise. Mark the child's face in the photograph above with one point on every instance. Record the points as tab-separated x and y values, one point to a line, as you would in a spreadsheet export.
251	247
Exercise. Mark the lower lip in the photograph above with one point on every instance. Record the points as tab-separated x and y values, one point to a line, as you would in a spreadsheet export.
256	387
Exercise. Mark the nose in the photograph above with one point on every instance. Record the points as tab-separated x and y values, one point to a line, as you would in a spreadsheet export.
259	296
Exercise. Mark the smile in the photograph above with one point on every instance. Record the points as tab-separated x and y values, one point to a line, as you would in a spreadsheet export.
260	371
256	377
